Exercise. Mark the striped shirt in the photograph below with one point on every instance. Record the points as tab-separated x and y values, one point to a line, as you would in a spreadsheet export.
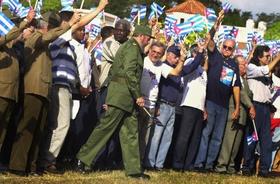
64	67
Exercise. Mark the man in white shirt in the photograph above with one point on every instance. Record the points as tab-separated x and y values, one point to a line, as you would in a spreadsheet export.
70	64
258	73
193	105
153	69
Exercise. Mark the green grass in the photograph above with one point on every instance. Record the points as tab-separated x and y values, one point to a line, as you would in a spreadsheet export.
118	177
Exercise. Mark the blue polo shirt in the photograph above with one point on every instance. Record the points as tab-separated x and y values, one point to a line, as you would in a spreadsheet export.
223	74
171	88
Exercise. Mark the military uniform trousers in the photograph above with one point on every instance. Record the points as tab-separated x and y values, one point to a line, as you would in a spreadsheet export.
6	109
114	118
231	142
29	132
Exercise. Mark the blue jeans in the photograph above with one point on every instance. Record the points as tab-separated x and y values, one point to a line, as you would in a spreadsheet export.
212	135
161	137
262	121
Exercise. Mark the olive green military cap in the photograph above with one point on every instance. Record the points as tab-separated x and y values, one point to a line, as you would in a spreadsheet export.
144	30
52	18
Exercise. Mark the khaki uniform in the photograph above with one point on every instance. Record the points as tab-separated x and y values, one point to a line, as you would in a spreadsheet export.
9	77
123	90
37	84
233	136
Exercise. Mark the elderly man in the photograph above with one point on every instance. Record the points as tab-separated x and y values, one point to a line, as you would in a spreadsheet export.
153	70
223	79
123	97
234	129
37	83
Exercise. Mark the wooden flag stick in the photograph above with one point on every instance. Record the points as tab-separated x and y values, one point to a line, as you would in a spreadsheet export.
138	17
82	4
35	4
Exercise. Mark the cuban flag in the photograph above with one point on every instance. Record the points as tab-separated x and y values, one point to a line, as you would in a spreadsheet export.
169	25
273	46
23	11
255	36
210	14
67	5
252	138
38	9
241	52
197	22
5	24
143	10
183	28
98	52
13	5
230	33
134	12
94	31
156	10
234	31
226	7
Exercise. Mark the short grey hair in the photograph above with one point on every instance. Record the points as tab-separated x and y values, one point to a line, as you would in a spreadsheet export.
124	23
41	24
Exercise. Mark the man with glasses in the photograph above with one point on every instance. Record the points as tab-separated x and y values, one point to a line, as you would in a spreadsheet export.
223	80
259	81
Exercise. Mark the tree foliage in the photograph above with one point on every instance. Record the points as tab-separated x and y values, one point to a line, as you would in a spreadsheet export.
273	32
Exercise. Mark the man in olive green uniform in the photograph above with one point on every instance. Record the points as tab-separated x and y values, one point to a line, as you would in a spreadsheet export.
123	97
9	74
37	83
234	129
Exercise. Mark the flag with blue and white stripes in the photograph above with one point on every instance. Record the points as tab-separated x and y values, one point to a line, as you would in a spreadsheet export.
210	14
141	9
38	9
98	52
14	5
252	138
169	25
226	7
156	10
5	24
197	22
23	11
183	28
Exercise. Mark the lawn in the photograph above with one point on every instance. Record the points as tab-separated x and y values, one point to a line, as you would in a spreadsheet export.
118	177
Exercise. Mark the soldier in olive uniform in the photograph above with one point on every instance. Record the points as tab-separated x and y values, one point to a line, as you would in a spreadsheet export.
9	74
37	83
123	97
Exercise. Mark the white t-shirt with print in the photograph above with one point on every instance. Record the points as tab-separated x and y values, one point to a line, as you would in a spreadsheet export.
195	88
150	79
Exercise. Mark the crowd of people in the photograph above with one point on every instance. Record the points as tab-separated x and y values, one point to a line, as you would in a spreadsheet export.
149	104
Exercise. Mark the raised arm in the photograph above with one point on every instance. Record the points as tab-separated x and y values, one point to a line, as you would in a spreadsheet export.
16	31
211	44
89	17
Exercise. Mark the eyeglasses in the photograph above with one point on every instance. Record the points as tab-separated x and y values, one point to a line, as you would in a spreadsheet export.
267	56
227	48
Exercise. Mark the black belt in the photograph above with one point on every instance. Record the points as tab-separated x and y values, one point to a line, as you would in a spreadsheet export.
121	80
166	102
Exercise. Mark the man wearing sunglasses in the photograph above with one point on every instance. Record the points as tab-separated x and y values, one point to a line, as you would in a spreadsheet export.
223	80
259	81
